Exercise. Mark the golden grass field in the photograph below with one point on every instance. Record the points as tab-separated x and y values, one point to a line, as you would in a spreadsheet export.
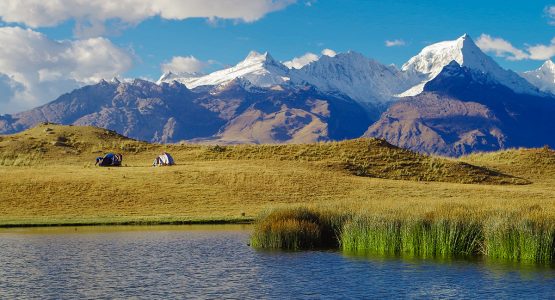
47	176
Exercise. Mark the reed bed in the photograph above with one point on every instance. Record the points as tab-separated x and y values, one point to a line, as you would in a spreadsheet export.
297	228
514	236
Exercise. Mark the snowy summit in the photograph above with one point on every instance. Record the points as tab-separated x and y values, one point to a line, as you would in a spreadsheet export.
260	69
543	77
432	59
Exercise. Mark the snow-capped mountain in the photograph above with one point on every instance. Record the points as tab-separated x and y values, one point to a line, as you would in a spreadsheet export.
543	77
460	111
182	77
258	69
432	59
365	80
464	102
352	74
349	74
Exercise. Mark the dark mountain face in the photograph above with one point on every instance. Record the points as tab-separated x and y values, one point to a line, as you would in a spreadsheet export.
462	111
290	115
141	110
229	113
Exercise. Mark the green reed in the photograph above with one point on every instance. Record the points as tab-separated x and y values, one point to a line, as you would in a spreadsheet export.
513	237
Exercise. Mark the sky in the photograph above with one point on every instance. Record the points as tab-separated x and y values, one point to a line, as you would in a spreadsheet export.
51	47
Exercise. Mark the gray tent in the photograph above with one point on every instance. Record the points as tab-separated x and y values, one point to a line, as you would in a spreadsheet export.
164	159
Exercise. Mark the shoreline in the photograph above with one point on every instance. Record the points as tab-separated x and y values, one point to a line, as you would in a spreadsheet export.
237	221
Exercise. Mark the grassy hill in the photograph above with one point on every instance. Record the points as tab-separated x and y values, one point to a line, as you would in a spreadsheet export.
48	176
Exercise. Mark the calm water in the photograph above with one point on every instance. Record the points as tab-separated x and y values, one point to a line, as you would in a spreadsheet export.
215	262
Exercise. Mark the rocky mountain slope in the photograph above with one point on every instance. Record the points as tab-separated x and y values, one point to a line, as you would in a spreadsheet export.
461	111
227	113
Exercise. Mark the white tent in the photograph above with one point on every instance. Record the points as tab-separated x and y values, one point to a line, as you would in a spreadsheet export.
164	159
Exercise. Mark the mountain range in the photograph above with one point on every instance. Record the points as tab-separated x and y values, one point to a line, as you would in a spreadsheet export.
450	99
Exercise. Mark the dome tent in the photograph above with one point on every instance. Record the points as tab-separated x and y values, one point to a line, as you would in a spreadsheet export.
109	160
164	159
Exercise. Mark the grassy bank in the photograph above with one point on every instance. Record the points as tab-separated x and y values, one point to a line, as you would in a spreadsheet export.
122	221
449	231
507	223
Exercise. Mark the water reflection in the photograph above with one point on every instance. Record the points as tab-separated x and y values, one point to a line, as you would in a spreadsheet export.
496	268
215	262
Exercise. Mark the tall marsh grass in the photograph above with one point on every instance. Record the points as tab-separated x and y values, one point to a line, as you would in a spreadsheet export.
414	237
297	228
520	240
513	237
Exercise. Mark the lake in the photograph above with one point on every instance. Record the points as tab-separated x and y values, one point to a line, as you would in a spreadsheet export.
216	262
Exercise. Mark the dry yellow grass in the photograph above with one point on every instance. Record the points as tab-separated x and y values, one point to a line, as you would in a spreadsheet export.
239	182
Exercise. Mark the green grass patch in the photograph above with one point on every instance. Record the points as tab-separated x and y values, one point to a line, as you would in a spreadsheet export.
436	234
413	237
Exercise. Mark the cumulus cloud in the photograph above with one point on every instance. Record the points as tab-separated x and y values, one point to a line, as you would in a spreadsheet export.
394	43
35	69
299	62
307	58
503	48
184	64
500	48
329	52
542	52
91	15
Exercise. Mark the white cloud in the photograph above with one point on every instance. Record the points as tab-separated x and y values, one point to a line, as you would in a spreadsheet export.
542	52
36	69
500	48
503	48
550	11
91	15
299	62
184	64
329	52
307	58
394	43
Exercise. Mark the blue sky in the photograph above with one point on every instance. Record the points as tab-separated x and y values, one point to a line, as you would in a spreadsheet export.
357	25
100	37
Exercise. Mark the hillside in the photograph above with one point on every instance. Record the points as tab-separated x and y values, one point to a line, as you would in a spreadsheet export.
48	176
51	144
531	163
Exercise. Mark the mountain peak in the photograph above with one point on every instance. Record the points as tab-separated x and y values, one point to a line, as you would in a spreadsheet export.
182	77
465	37
354	75
259	58
260	69
255	55
548	65
543	78
432	59
436	56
